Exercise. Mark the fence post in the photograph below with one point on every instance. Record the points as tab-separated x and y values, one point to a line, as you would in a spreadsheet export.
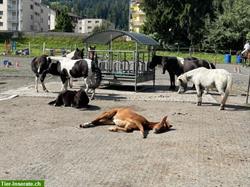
29	49
43	47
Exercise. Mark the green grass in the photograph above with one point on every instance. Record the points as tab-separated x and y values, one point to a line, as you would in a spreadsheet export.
71	42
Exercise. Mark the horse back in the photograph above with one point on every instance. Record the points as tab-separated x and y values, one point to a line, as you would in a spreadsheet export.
81	68
172	65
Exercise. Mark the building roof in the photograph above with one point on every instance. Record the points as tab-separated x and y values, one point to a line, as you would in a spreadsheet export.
105	37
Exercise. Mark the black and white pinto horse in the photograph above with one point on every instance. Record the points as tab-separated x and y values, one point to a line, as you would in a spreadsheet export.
42	63
68	68
177	65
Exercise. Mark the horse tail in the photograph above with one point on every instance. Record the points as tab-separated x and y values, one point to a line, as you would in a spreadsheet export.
52	102
98	77
228	88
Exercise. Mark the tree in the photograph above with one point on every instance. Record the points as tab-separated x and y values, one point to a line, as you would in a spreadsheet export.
104	26
229	30
63	21
176	20
115	11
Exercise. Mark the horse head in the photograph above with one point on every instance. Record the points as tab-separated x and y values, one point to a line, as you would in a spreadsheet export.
182	82
92	53
78	54
155	60
162	126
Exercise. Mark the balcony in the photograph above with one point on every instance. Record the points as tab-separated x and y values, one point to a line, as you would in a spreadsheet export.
137	12
137	23
12	8
12	19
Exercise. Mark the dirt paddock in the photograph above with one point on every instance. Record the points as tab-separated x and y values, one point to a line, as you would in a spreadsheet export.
206	147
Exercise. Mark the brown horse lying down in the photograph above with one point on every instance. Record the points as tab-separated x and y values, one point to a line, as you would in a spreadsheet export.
126	120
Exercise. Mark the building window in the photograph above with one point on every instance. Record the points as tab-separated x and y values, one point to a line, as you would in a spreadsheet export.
31	17
41	10
89	21
89	27
1	1
1	13
31	7
1	24
96	21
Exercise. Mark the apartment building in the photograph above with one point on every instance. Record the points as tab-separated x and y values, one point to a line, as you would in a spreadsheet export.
87	25
26	15
137	16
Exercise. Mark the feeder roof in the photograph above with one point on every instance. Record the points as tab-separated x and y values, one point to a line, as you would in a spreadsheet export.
105	37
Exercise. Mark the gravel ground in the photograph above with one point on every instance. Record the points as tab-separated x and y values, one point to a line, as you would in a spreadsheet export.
206	147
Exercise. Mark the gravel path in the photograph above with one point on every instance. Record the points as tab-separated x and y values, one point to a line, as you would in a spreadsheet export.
206	147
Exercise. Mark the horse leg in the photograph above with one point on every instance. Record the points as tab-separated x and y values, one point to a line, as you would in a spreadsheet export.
172	81
199	94
87	85
42	81
92	95
36	83
64	82
70	82
222	93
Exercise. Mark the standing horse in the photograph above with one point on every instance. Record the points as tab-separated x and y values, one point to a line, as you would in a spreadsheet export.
42	63
204	78
177	66
246	58
38	65
67	68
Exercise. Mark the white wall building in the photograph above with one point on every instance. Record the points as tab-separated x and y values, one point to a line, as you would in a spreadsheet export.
25	15
87	25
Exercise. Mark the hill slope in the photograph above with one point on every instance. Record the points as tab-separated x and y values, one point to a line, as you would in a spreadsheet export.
116	11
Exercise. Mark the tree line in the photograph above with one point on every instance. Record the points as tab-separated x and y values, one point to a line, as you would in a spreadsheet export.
115	11
215	24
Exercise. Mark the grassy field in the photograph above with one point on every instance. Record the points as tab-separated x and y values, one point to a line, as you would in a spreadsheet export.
36	44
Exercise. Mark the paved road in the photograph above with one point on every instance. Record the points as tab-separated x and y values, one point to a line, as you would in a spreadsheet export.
206	147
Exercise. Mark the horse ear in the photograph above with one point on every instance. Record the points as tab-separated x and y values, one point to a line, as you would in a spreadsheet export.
49	60
166	122
163	121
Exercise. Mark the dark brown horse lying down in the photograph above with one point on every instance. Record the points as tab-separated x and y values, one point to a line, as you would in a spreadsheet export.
78	99
126	120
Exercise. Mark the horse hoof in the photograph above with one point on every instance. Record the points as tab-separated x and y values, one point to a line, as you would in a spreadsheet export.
86	125
221	108
113	129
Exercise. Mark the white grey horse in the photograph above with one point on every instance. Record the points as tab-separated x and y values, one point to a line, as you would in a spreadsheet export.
204	78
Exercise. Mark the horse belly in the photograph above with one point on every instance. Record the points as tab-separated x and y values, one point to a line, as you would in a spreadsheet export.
120	123
67	64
